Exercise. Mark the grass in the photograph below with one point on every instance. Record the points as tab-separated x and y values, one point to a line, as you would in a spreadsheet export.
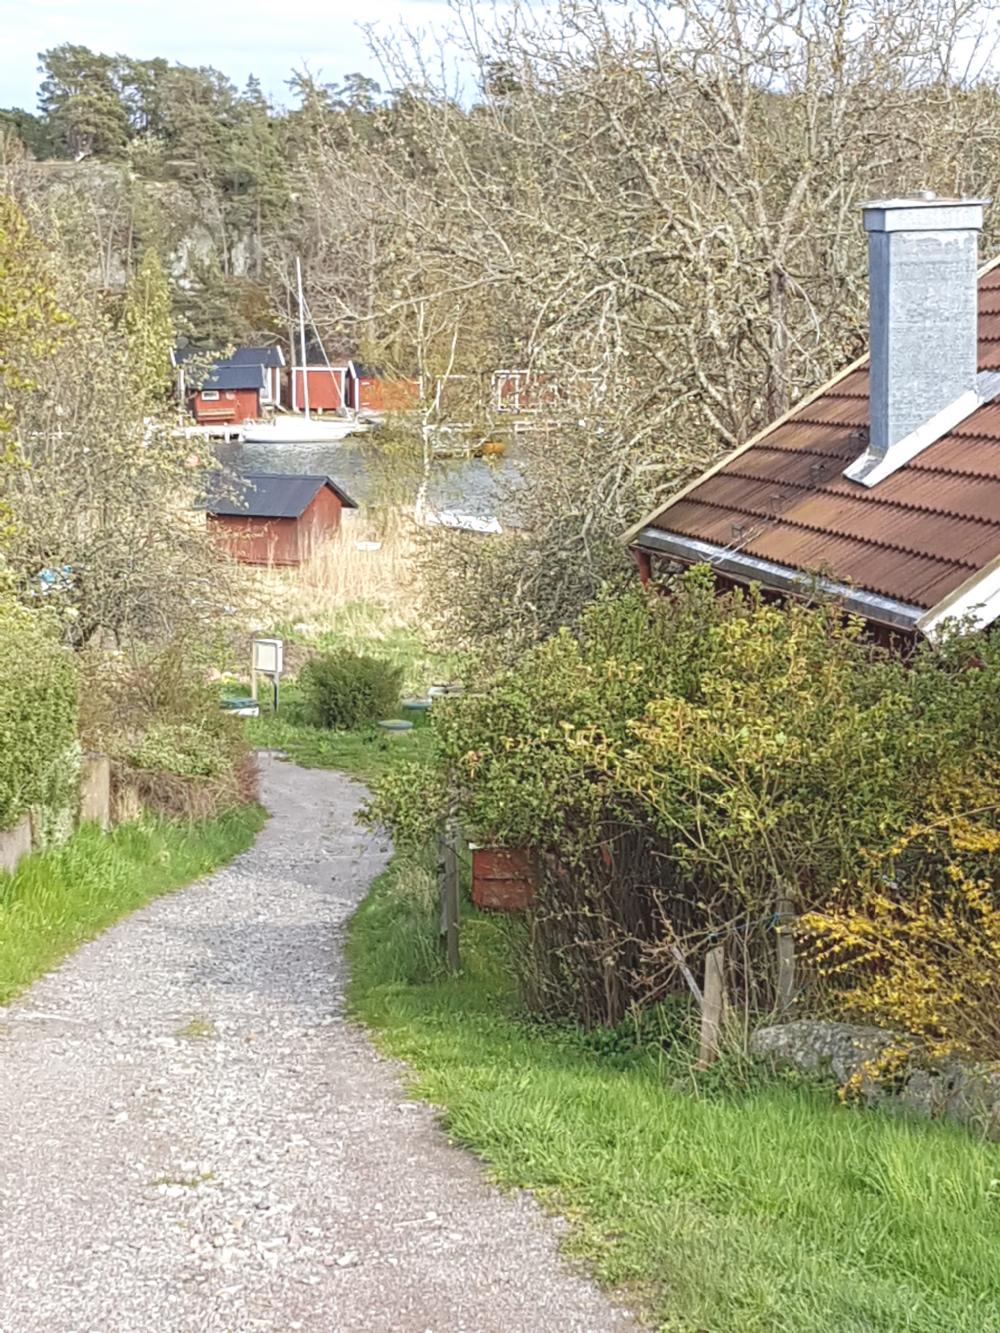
717	1208
363	627
365	755
59	898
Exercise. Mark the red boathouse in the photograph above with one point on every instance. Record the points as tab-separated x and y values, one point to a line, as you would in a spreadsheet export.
277	518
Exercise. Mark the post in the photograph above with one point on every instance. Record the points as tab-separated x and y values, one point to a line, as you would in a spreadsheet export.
784	915
713	1006
449	881
253	683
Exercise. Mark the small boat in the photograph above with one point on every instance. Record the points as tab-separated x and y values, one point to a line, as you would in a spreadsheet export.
447	518
301	430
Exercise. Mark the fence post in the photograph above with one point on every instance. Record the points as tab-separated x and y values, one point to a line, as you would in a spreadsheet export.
784	915
713	1006
448	878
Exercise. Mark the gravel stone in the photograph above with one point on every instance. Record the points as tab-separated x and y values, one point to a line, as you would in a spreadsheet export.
194	1139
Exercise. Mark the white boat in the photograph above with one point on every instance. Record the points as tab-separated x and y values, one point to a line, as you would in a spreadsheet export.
301	430
305	429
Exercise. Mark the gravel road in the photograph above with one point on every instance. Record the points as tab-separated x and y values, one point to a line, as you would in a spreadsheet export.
192	1136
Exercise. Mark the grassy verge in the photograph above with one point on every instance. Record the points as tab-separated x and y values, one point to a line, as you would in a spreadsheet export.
58	899
733	1209
363	754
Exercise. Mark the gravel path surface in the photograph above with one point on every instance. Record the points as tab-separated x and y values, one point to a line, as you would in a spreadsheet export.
192	1137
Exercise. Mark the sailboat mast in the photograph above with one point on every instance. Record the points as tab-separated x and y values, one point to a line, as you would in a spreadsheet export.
302	336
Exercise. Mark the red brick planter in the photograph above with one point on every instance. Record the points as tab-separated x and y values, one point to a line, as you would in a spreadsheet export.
504	879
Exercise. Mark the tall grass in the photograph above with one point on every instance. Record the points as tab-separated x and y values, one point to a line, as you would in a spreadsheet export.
58	899
735	1208
344	570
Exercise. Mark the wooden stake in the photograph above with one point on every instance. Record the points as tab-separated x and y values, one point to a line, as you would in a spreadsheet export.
786	954
713	1006
449	881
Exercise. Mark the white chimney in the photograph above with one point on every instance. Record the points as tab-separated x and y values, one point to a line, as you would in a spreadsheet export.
922	263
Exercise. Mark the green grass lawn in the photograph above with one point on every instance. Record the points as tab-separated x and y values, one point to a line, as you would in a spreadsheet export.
717	1209
363	754
59	898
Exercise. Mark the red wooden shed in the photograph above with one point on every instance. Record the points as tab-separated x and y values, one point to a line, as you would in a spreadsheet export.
368	390
277	518
326	388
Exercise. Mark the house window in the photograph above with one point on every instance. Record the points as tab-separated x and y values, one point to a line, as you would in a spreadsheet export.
230	394
210	395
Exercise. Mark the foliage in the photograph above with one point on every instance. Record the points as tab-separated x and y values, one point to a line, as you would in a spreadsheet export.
344	690
682	763
188	749
149	331
38	706
58	899
913	945
737	1209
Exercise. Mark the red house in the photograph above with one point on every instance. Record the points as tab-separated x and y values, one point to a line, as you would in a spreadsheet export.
277	518
326	388
882	488
367	390
228	389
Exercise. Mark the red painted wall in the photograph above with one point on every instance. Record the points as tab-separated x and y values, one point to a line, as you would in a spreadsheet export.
326	390
379	395
278	541
230	406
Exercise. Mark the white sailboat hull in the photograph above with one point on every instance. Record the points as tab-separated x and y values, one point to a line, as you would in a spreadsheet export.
299	430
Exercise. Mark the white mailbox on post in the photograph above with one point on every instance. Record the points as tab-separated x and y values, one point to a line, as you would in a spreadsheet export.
268	660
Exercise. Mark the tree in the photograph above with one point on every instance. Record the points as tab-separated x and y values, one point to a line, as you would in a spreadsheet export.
146	319
80	97
31	321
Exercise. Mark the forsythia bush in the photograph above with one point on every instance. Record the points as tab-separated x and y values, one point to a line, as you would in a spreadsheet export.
914	945
38	714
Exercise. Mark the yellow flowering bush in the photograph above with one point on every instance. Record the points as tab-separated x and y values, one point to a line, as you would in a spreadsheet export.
914	944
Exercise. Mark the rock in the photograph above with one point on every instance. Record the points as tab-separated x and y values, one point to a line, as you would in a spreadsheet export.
950	1089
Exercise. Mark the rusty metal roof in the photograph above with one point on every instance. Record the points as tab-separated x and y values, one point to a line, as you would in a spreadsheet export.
916	537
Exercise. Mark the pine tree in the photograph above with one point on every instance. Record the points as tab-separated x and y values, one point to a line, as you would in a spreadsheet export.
150	333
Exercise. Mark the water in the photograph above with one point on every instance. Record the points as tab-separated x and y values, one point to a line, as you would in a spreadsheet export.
472	486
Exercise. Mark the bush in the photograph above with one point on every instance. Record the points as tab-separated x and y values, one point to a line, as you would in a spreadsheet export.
186	749
38	716
681	763
913	943
346	691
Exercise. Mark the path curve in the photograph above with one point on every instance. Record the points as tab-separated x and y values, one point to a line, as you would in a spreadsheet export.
193	1138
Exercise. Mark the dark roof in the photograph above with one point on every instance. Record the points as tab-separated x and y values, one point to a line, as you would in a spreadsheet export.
232	377
272	357
915	537
274	495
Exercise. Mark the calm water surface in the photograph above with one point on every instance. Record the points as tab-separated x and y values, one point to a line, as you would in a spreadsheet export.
467	486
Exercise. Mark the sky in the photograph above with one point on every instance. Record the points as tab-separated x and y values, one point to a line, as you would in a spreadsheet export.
239	37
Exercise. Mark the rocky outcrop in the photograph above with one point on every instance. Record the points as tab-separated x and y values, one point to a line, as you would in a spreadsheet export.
950	1089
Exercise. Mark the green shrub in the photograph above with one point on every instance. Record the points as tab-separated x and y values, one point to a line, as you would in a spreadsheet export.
680	763
38	715
347	691
187	749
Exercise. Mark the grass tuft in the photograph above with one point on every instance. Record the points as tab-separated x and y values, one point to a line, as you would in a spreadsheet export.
59	898
759	1206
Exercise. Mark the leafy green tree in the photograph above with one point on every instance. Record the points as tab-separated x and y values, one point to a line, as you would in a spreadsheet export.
80	97
149	329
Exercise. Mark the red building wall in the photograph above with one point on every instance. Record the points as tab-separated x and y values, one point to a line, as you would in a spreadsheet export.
326	389
278	541
379	395
230	406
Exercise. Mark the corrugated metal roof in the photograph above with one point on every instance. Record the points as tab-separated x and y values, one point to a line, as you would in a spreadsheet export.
914	537
274	495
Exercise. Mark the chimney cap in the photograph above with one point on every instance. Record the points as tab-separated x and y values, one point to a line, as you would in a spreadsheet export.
924	211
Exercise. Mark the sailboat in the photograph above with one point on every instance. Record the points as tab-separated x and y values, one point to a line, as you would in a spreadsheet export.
305	429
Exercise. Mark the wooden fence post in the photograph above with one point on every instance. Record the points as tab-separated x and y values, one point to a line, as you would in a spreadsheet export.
713	1006
786	953
448	876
